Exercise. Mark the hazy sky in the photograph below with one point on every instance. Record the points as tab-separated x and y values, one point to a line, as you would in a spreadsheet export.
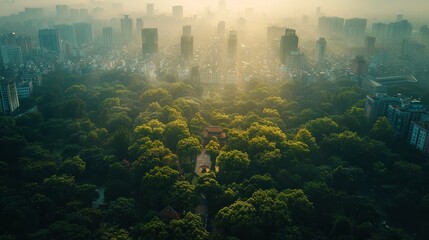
344	8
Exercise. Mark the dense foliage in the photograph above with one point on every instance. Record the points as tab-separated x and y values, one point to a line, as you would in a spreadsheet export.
300	162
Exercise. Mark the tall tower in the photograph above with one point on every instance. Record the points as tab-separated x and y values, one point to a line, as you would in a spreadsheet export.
126	29
232	46
359	66
354	28
67	33
11	55
108	37
288	43
149	41
187	43
49	41
62	10
221	29
178	12
83	33
320	50
150	10
139	24
369	44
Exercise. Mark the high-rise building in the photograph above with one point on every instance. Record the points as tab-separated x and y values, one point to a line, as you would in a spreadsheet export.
66	33
177	12
320	50
74	13
150	10
126	29
195	75
62	11
412	50
274	34
369	44
149	41
108	37
380	30
424	35
330	25
12	39
9	101
376	106
419	136
187	43
398	31
401	115
83	33
221	29
11	55
83	13
359	66
34	12
296	60
139	24
354	28
288	43
187	30
49	41
232	46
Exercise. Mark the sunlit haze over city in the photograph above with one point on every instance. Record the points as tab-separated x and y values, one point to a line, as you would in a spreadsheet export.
214	119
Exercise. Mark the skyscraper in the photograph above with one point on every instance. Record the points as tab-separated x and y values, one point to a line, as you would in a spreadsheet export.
379	30
149	41
330	25
187	43
11	55
62	11
139	24
398	31
221	29
288	43
49	41
354	28
83	33
369	44
359	66
126	29
232	46
108	37
412	50
320	50
66	33
150	10
424	35
177	12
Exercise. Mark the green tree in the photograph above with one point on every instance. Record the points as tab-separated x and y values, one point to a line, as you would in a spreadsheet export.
305	136
174	132
382	130
113	233
156	184
122	211
183	197
188	228
154	230
321	127
232	165
74	166
239	219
